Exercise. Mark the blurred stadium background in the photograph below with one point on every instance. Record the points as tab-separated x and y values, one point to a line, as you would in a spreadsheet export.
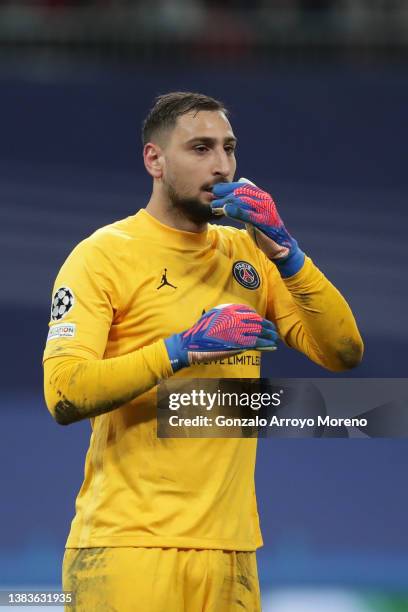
318	91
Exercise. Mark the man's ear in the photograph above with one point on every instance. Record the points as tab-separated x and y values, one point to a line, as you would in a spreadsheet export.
153	159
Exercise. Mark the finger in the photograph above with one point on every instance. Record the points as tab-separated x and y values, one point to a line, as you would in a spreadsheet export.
218	204
265	337
265	345
245	180
269	325
268	334
254	317
218	212
220	190
252	198
246	309
236	211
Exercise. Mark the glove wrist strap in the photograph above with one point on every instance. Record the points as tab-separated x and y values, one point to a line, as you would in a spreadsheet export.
175	353
290	265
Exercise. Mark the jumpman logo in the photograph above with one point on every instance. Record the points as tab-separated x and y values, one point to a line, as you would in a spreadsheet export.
164	281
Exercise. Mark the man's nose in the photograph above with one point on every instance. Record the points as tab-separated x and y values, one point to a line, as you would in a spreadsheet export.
221	164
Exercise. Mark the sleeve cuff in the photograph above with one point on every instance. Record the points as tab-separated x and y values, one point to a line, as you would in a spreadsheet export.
158	359
290	265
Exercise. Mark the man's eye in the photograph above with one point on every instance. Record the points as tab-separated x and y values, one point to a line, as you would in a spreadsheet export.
200	148
230	150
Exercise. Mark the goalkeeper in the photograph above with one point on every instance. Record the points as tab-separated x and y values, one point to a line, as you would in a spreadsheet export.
172	524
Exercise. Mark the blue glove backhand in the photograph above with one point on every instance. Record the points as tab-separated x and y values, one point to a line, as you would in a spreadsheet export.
246	202
223	331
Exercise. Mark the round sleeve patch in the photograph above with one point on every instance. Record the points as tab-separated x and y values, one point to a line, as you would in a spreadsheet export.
62	302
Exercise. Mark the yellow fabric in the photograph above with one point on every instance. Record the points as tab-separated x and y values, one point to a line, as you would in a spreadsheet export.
97	386
156	580
139	490
313	317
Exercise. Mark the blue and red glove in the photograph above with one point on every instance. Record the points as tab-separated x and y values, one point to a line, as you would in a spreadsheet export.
245	202
225	330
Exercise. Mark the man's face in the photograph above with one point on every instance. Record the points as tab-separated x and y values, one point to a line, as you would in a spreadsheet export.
199	152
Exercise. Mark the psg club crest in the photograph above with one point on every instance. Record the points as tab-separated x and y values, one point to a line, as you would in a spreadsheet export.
246	275
62	302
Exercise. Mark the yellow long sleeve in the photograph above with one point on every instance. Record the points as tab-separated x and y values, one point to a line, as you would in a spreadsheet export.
76	388
313	317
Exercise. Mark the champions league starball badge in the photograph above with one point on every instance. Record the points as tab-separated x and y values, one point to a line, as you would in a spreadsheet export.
246	275
62	302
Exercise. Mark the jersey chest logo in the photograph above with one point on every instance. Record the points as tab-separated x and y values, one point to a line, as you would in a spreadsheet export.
246	275
164	281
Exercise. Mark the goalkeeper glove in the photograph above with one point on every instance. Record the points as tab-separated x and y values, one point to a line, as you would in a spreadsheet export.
222	331
246	202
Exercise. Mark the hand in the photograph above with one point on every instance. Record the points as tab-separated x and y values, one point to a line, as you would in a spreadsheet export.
225	330
245	202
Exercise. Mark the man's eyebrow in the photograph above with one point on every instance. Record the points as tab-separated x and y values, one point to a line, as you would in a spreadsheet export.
210	141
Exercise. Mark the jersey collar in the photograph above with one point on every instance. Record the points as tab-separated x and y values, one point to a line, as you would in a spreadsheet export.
170	236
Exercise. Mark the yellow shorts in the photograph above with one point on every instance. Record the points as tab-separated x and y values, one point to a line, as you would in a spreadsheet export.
129	579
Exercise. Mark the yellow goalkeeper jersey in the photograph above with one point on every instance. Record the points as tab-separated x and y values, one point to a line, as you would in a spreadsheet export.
127	286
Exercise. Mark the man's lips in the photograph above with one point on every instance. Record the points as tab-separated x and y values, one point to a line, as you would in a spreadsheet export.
210	193
209	189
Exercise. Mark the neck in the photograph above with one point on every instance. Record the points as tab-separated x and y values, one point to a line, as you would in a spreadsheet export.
165	212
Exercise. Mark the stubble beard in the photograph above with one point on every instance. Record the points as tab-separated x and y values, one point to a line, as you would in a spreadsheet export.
190	208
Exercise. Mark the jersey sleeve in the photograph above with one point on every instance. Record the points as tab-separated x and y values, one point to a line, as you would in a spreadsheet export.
313	317
78	381
84	301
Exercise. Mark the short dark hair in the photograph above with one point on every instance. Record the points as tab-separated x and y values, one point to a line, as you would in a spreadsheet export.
168	107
